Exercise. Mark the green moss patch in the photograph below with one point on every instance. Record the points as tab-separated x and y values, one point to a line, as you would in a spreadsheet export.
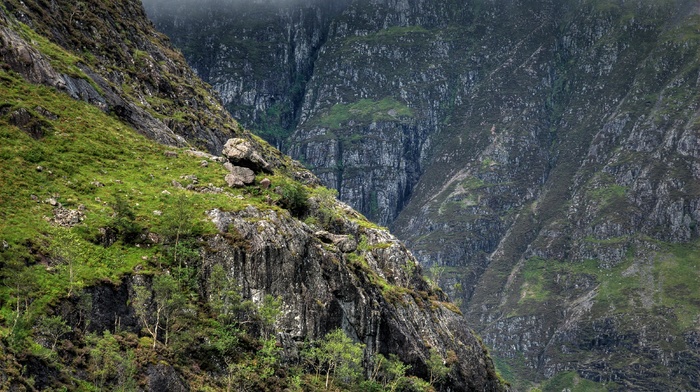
364	111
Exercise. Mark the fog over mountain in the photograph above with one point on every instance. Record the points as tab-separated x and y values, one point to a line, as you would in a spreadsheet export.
149	4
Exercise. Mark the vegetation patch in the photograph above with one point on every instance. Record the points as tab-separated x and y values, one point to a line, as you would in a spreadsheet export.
364	111
61	60
570	381
679	272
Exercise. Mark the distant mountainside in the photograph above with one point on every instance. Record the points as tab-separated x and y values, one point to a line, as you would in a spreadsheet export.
540	157
149	243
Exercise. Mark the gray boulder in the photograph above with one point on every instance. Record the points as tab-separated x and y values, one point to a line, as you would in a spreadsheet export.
240	152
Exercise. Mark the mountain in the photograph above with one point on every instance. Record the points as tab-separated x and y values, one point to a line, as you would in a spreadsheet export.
539	157
149	242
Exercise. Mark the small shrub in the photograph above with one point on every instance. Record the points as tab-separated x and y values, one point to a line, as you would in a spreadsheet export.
124	221
295	198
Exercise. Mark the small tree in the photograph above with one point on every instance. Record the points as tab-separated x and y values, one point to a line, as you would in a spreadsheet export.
158	309
436	272
142	307
295	198
178	227
108	362
170	301
395	372
268	313
224	297
437	367
84	308
104	358
53	328
124	221
22	285
338	356
391	372
69	251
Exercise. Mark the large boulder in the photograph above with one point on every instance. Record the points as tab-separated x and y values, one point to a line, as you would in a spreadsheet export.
239	177
241	152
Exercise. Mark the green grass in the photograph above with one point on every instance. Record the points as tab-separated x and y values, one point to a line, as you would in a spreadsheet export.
87	158
572	382
679	272
365	110
687	33
668	280
534	275
61	60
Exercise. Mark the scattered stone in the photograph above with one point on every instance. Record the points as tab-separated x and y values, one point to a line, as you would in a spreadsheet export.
34	197
239	177
153	238
241	152
198	154
170	154
228	166
210	188
204	164
345	243
40	169
157	212
81	207
165	193
97	184
176	184
5	245
52	201
66	217
265	183
306	178
119	181
98	199
191	177
46	113
34	126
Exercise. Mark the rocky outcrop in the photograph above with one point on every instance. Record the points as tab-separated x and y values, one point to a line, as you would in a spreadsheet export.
170	106
375	293
242	153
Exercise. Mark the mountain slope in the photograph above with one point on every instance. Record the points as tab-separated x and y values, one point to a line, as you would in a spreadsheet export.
541	155
129	262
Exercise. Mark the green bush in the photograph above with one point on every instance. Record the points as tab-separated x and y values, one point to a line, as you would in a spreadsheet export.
295	198
123	222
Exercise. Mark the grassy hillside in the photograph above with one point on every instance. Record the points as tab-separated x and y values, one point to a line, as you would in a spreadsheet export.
115	273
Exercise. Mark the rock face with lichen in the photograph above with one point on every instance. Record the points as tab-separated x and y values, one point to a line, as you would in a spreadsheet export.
327	280
541	155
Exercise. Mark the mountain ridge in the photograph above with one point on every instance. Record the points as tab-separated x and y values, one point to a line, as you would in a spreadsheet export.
139	265
547	170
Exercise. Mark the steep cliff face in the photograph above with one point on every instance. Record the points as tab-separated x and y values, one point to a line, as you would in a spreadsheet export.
142	263
363	280
264	61
542	155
